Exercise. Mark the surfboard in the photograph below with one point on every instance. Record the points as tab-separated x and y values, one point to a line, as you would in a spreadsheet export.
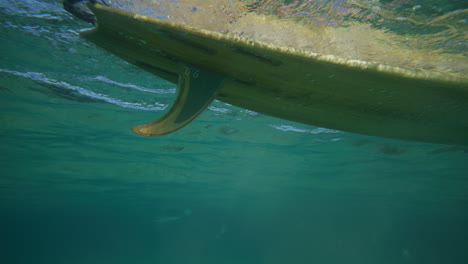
321	90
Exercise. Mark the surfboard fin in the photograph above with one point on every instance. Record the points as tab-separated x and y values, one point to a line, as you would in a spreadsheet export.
196	89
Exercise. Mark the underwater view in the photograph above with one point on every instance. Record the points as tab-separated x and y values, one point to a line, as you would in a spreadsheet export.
234	185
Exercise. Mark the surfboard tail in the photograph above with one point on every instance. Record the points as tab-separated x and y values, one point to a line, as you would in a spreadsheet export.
196	90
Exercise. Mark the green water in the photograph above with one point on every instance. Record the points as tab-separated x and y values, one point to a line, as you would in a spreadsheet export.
78	187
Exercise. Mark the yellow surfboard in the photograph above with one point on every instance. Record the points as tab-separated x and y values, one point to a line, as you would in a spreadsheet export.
320	90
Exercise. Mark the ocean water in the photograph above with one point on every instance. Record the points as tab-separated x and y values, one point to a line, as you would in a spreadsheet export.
77	186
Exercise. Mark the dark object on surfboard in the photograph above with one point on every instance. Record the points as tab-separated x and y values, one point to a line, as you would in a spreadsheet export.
79	9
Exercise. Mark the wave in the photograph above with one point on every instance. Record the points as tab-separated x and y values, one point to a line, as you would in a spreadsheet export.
43	79
133	86
319	130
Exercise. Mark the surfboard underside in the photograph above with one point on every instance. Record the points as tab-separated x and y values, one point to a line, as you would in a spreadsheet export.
320	90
